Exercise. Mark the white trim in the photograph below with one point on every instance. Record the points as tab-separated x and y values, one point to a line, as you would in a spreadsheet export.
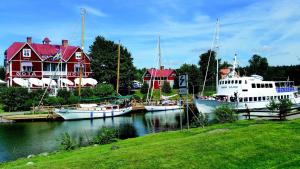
26	51
73	54
25	43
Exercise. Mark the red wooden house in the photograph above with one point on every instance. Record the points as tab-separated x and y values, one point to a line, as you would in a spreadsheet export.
31	64
156	77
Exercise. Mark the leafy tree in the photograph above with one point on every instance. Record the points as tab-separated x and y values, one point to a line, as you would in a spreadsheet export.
203	63
87	92
104	54
166	88
63	93
144	88
258	65
194	76
103	90
138	74
225	114
225	65
2	73
14	99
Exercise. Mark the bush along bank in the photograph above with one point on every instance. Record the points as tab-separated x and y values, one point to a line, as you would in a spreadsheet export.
20	99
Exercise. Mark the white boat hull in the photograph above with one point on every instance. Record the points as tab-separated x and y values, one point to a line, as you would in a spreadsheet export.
162	107
208	106
73	114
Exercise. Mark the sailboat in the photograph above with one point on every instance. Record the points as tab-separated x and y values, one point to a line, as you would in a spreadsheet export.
247	92
165	103
91	111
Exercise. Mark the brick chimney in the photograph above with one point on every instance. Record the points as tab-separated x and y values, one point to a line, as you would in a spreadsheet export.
162	67
29	40
64	43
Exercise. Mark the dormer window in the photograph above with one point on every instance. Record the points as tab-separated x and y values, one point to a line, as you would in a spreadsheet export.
26	52
78	55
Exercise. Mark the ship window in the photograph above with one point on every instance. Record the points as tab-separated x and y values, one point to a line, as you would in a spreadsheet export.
240	82
236	82
268	97
255	99
240	99
262	85
245	90
232	81
258	85
259	98
277	84
287	96
264	98
275	97
281	96
271	97
250	99
232	99
253	85
226	82
245	81
246	99
271	85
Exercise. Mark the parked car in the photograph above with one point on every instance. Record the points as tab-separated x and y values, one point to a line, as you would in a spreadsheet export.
136	85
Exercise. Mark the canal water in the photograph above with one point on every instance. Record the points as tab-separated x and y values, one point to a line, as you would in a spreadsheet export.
25	138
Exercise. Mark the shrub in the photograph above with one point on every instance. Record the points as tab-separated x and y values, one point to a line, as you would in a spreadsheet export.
14	98
73	99
166	88
87	92
225	114
200	120
63	93
55	101
103	90
105	135
66	142
144	88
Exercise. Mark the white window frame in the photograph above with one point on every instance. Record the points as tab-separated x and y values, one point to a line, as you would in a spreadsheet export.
26	53
78	55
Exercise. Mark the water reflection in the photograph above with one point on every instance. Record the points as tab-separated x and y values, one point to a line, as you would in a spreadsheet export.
21	139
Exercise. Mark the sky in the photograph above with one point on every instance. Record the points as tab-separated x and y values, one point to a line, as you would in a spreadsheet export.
270	28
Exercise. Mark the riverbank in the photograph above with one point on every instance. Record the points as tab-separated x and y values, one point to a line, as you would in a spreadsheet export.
244	144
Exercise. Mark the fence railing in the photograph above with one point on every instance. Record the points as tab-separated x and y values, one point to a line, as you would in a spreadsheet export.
276	114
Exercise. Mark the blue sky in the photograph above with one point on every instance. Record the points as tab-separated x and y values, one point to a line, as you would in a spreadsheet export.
270	28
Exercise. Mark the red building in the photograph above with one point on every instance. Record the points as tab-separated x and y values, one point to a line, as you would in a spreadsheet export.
157	77
32	65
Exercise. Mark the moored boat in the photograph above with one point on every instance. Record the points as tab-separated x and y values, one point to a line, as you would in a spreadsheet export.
92	111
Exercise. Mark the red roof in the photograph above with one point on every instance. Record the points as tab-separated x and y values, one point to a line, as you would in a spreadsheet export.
43	50
160	73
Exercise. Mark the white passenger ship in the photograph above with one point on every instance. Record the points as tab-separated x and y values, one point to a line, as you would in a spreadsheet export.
247	92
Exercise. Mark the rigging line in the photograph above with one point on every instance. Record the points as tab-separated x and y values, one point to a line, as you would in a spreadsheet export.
211	48
60	61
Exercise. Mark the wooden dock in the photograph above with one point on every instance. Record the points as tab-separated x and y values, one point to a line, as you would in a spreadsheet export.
31	117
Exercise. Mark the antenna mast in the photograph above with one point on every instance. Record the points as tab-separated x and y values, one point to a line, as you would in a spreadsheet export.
82	13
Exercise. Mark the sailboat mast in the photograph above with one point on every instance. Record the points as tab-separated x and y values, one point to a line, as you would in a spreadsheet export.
160	66
118	69
82	12
217	50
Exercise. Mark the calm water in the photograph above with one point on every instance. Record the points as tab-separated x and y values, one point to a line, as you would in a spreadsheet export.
21	139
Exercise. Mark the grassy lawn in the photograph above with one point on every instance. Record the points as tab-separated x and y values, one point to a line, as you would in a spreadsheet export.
156	94
244	144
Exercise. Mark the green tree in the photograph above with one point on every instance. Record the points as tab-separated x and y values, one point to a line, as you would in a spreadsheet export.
258	65
138	74
2	73
194	76
225	65
103	90
104	54
203	63
144	88
166	88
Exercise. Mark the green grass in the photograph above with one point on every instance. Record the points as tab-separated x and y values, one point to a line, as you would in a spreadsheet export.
244	144
156	94
1	108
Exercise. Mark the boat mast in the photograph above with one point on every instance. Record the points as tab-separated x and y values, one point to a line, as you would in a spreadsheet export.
82	12
217	50
159	66
118	68
213	46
